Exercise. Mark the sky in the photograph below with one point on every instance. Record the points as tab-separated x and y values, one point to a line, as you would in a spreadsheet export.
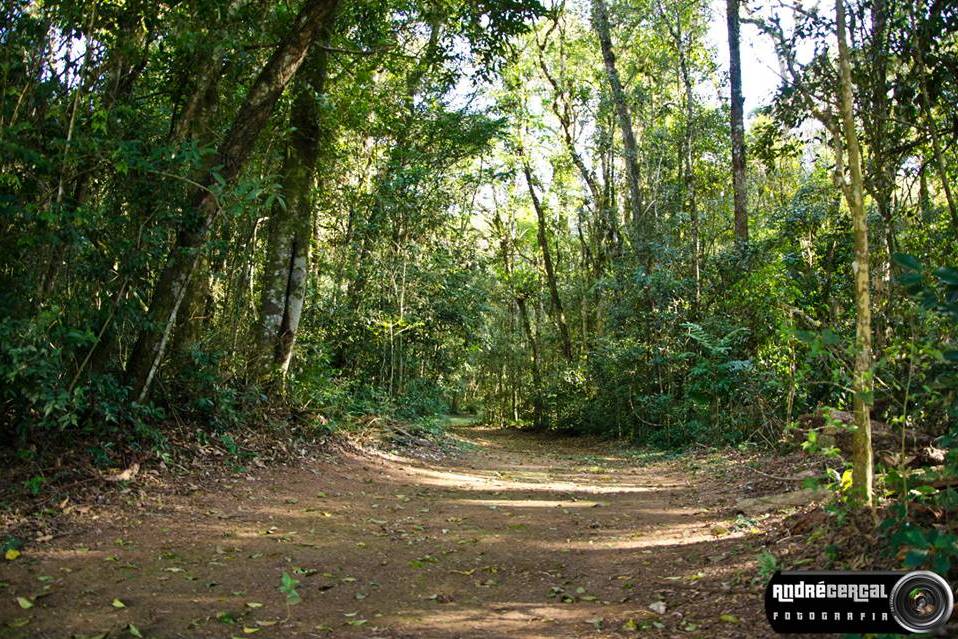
759	65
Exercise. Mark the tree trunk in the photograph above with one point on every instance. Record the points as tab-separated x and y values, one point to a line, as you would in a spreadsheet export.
291	226
854	194
600	20
688	161
193	123
738	124
932	133
150	347
557	311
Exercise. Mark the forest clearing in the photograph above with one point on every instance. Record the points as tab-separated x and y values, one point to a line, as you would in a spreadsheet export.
518	318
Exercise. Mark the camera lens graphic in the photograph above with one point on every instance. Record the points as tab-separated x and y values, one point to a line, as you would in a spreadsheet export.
921	601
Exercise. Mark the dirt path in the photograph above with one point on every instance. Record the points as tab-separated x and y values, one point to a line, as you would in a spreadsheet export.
519	536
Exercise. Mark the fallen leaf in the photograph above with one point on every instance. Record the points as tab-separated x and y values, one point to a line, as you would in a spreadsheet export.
658	607
126	475
118	604
11	554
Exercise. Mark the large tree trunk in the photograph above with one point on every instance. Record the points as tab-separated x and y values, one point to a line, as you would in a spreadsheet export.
854	194
291	226
191	122
556	301
600	20
738	124
170	289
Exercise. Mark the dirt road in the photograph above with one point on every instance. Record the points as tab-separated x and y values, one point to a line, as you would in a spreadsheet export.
519	535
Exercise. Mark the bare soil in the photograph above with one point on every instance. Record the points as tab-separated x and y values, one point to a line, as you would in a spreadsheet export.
517	535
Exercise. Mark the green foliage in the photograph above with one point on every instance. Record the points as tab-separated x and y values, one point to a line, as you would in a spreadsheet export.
767	565
920	542
287	586
110	129
36	360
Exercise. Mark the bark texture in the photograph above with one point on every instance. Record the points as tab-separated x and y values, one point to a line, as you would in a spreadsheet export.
291	225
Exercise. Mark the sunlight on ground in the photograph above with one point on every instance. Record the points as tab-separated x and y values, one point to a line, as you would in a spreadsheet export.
677	535
482	482
471	546
527	503
504	619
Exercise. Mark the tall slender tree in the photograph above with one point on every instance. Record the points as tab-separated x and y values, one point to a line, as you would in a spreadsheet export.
739	192
558	312
681	42
862	471
600	20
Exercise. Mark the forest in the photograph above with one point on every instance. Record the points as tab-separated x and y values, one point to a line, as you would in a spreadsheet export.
704	232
